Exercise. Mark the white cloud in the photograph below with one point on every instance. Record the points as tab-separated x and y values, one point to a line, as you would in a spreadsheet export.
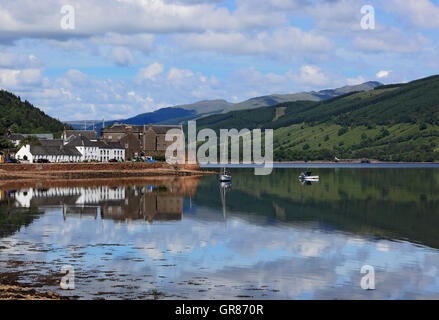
383	74
121	56
142	42
76	77
176	74
312	75
15	60
150	72
286	42
28	19
420	13
19	79
391	40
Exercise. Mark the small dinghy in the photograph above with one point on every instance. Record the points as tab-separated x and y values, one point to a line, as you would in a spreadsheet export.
225	176
306	176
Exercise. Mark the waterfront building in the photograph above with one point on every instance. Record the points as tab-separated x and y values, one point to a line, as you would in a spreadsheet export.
146	140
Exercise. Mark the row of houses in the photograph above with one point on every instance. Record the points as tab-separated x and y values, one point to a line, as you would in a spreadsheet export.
16	138
121	142
75	146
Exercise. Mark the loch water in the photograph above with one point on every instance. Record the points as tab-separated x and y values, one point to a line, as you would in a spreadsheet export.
260	237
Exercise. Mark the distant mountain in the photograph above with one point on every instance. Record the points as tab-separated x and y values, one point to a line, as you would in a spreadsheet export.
171	115
271	100
161	115
207	106
183	113
23	117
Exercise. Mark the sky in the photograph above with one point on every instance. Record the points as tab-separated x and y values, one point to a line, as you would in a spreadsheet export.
113	59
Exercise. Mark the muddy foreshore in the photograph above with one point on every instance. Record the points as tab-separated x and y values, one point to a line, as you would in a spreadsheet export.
87	171
10	289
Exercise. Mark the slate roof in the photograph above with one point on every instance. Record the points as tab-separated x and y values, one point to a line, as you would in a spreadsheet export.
82	141
109	145
90	134
41	150
52	143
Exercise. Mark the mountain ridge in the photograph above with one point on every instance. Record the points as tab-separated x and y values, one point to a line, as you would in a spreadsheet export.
203	108
397	122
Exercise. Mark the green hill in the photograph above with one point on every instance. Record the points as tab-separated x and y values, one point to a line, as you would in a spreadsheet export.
274	99
23	117
391	123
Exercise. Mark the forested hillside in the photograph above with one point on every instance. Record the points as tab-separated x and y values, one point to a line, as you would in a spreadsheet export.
23	117
391	123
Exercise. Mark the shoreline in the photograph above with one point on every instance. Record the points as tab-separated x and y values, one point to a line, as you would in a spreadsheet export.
185	184
21	292
51	172
11	289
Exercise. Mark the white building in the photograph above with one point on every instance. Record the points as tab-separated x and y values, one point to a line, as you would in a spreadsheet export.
79	149
33	153
97	150
76	196
111	150
89	149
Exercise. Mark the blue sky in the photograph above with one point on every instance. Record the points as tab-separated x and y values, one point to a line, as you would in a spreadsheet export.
127	57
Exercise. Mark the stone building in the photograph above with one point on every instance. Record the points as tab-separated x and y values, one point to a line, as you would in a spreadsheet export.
146	140
69	135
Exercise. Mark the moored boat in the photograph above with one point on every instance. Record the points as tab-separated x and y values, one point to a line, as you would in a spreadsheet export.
308	177
225	176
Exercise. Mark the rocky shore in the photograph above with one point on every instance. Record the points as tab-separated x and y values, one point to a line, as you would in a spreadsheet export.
88	171
10	289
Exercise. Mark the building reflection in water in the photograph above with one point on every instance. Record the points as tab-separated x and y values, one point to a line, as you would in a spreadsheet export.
127	203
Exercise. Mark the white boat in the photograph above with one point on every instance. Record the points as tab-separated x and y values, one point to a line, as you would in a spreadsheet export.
308	177
225	176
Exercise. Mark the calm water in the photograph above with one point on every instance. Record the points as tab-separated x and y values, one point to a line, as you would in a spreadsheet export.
264	237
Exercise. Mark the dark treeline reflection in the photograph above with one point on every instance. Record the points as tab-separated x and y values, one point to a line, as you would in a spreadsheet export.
387	203
13	217
401	204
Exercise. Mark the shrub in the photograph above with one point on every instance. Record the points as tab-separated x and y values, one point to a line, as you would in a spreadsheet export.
342	131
